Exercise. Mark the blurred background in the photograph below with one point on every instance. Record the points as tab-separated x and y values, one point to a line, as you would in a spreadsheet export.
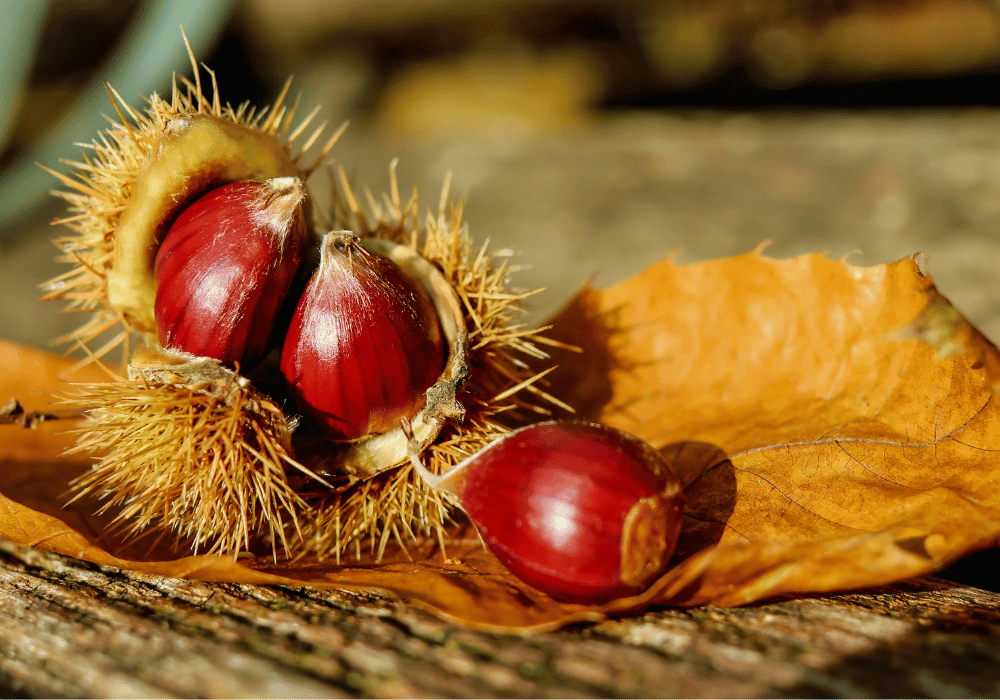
589	137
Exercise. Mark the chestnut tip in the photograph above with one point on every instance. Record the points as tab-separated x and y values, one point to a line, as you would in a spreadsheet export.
279	201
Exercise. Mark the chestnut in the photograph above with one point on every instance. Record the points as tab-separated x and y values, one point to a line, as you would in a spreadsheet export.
225	267
364	345
583	512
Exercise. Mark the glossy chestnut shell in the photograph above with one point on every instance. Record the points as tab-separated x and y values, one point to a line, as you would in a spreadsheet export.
225	268
583	512
364	344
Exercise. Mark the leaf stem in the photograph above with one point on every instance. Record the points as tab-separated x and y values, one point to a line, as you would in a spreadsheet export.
13	412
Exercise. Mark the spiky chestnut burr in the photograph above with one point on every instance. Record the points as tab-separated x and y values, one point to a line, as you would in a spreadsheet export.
194	153
489	371
178	450
133	181
225	267
583	512
190	446
140	174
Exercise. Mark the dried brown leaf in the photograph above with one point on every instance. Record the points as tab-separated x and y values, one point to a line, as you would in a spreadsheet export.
835	426
847	451
32	377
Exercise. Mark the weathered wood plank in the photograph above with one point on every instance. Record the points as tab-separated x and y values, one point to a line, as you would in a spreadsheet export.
68	628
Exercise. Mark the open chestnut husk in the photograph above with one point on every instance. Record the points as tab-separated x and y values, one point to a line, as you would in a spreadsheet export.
378	337
583	512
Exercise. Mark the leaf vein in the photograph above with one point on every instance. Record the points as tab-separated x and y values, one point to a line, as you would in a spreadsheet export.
874	441
877	476
796	503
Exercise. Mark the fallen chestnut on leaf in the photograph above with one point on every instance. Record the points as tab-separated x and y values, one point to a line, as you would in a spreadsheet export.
364	344
225	267
583	512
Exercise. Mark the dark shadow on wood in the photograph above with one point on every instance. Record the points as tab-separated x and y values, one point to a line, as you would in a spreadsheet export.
981	569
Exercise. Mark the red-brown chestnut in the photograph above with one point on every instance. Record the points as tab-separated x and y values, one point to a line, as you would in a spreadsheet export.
225	267
583	512
364	344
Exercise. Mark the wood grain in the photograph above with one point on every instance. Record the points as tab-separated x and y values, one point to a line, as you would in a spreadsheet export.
69	628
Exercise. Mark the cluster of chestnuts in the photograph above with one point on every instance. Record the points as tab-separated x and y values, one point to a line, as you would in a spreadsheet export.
581	511
360	343
343	356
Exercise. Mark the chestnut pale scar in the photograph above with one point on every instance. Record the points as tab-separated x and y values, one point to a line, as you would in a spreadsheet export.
648	536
